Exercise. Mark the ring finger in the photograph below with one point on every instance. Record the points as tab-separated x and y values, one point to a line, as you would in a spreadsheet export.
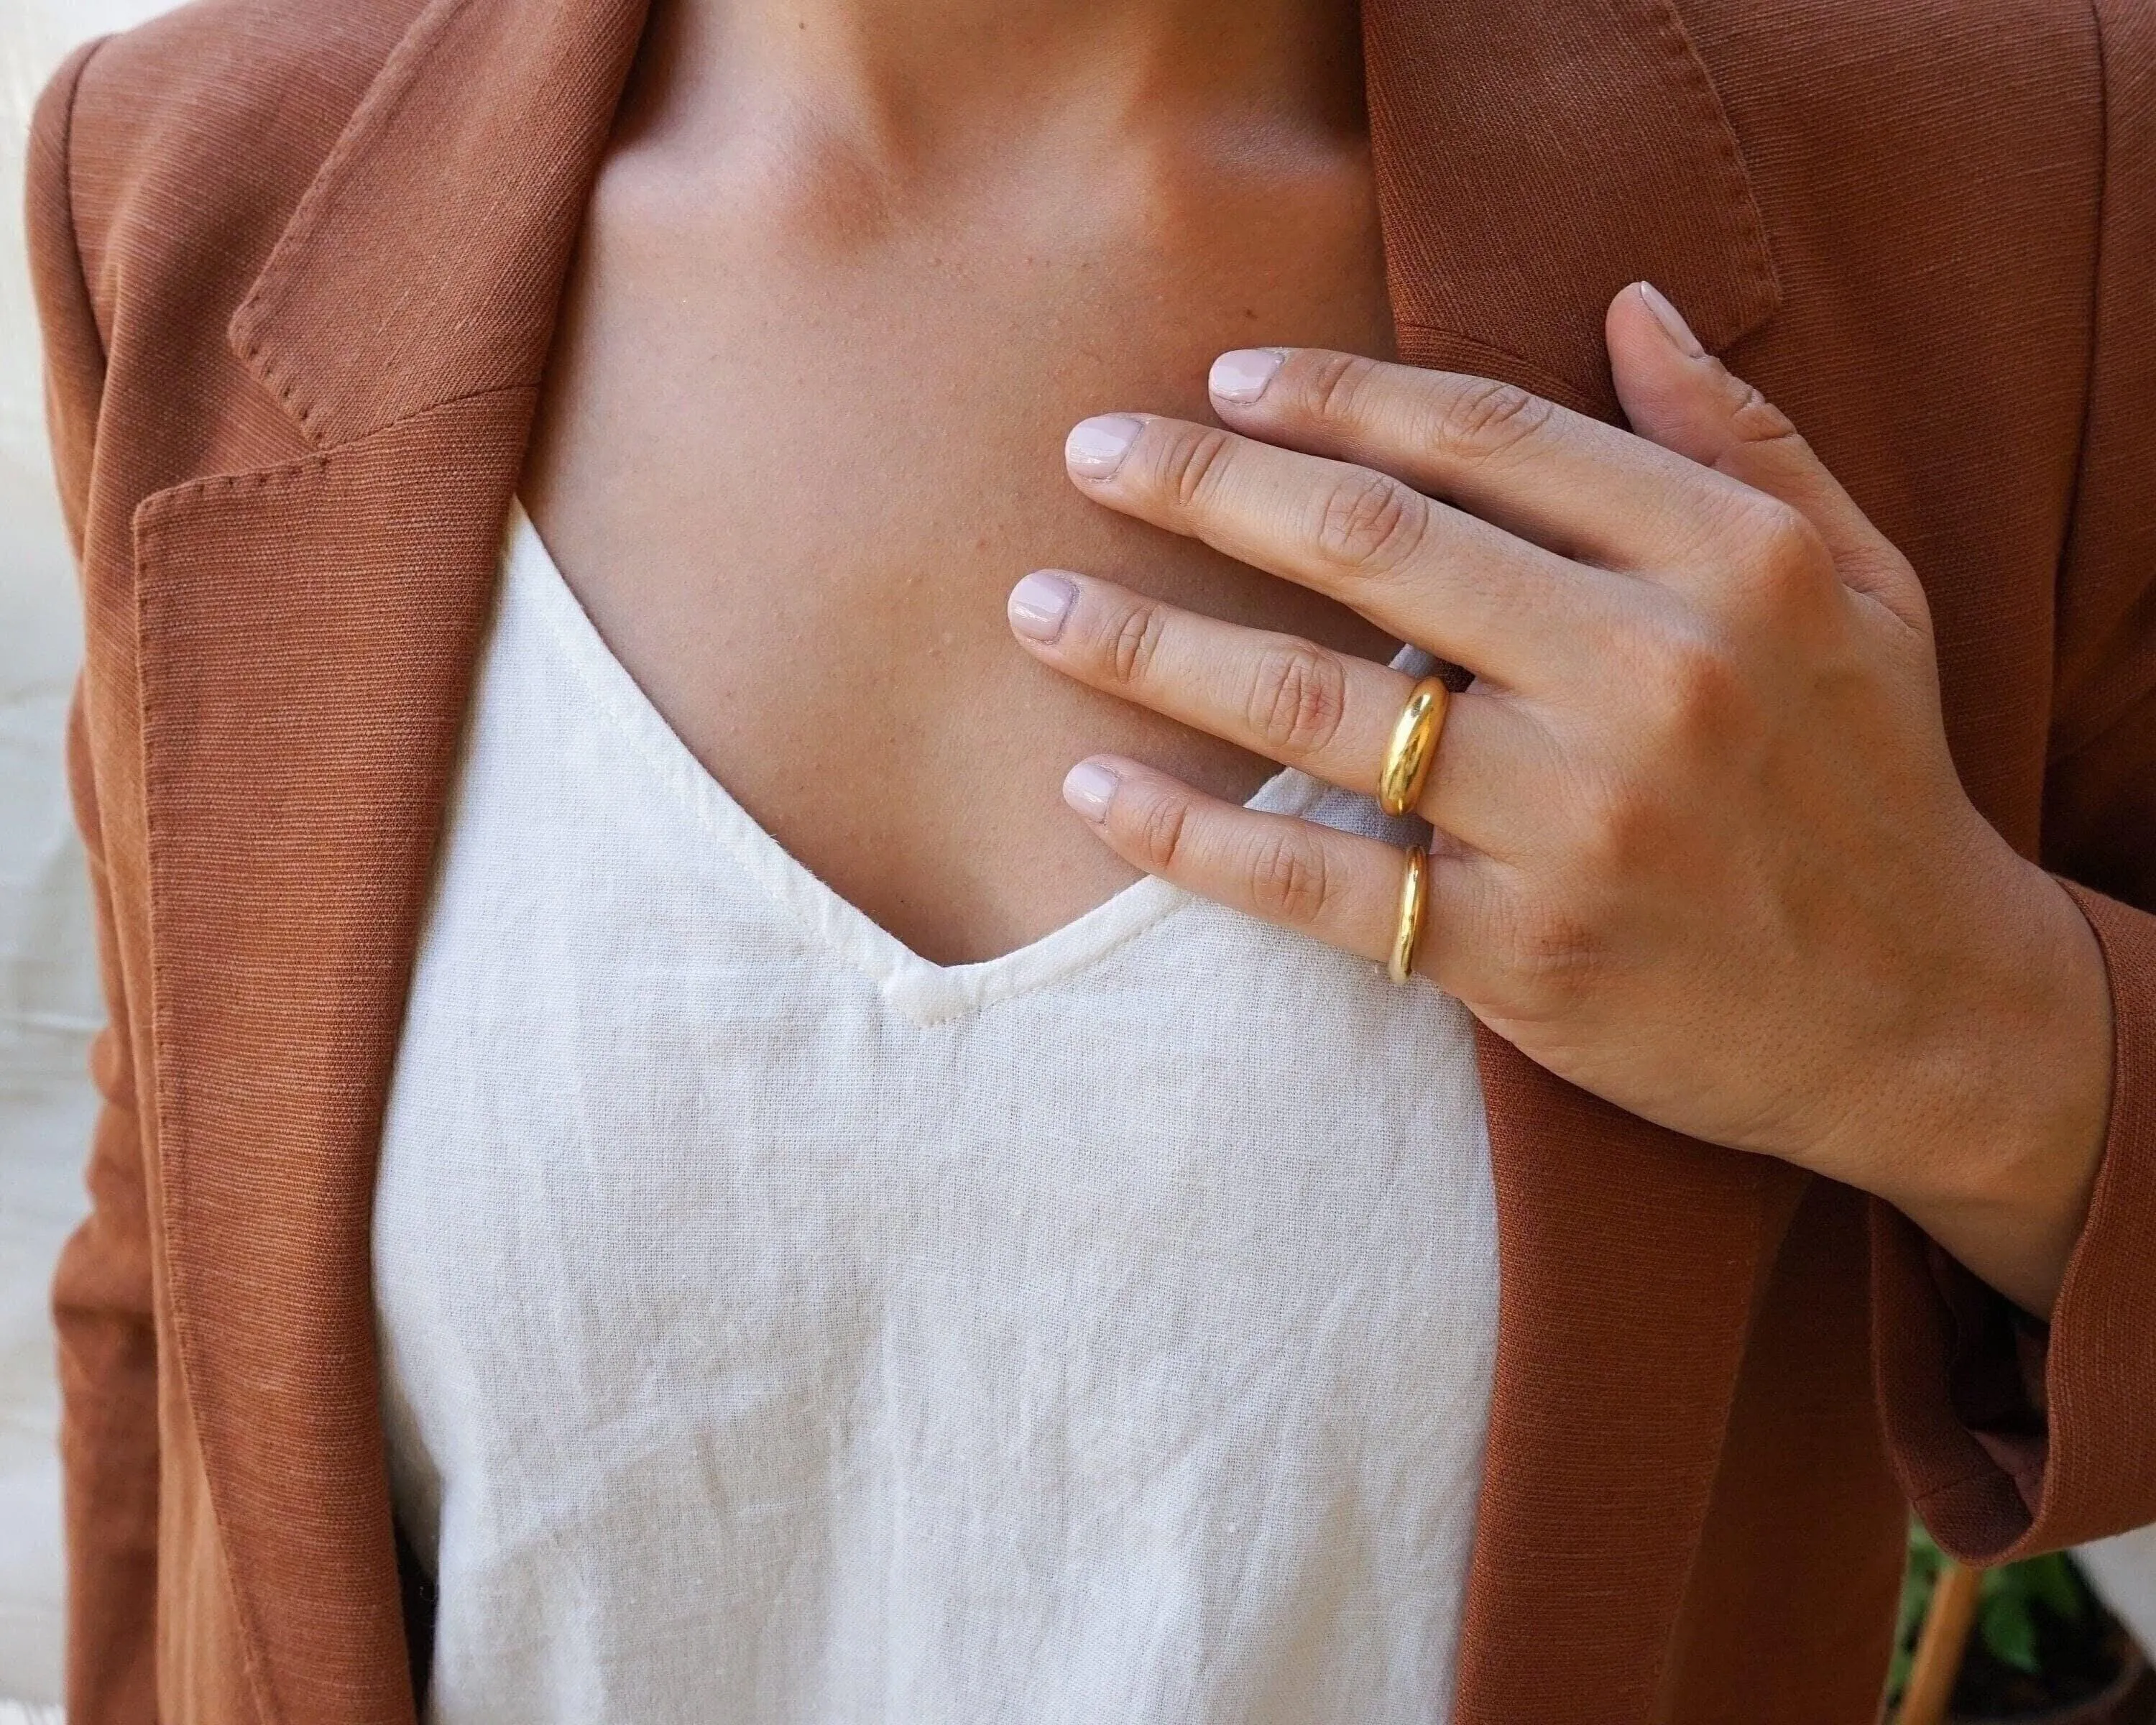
1329	714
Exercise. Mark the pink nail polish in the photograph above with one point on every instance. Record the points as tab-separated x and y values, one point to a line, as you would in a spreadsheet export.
1241	376
1039	603
1096	447
1089	787
1671	321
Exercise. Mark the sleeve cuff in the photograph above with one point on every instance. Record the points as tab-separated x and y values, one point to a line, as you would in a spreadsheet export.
2011	1436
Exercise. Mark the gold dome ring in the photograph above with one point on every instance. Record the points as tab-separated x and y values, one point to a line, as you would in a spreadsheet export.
1414	747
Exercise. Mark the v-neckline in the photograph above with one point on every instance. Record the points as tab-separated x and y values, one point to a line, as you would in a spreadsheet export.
916	987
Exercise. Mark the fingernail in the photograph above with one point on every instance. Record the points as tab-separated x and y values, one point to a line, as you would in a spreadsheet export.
1671	321
1096	447
1242	375
1089	787
1039	604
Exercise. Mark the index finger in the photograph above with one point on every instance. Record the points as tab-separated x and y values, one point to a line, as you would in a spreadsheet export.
1450	584
1526	464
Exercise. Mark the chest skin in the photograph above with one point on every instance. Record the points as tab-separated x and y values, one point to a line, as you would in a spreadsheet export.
803	430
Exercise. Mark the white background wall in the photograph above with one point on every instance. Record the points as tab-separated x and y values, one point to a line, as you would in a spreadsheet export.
48	995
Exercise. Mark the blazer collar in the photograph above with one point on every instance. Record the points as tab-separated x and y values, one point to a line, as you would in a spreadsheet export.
1531	158
424	264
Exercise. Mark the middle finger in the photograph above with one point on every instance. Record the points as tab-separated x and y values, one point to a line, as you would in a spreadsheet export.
1328	714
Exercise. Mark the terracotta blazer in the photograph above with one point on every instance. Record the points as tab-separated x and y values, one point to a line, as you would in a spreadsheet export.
298	265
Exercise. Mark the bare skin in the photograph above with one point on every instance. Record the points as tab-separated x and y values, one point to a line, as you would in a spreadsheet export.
904	246
852	270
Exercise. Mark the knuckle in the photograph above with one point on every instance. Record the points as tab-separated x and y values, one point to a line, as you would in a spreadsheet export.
1556	951
1370	522
1159	835
1287	878
1697	692
1336	386
1780	528
1616	829
1756	420
1135	642
1484	418
1296	698
1189	463
1788	559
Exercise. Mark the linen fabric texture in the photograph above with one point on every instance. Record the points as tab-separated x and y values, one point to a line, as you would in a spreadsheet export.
298	269
777	1325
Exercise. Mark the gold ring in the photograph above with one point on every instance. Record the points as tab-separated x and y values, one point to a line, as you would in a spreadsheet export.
1414	896
1414	747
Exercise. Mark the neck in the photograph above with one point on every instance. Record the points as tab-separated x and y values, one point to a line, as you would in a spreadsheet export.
911	82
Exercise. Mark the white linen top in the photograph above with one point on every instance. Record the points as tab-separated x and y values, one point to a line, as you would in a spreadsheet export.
779	1328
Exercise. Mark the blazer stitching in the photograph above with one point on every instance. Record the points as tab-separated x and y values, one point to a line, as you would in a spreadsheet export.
1692	72
195	1394
150	519
150	512
377	107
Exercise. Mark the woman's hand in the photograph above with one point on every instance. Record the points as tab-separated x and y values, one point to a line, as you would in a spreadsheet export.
1700	848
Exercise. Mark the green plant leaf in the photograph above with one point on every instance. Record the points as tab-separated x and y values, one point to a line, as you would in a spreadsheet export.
2008	1602
2052	1580
2010	1632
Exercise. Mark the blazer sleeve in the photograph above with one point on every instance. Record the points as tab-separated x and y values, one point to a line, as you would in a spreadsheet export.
2013	1437
101	1293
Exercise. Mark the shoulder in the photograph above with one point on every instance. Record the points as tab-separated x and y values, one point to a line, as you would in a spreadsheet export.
195	134
213	65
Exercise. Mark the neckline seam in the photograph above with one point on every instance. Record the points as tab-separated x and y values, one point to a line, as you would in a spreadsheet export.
923	991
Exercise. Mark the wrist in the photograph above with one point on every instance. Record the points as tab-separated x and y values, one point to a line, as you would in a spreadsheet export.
2000	1101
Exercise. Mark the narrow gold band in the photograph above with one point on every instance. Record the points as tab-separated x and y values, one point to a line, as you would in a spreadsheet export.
1414	896
1414	747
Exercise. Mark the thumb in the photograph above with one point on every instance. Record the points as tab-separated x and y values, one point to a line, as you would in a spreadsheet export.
1677	394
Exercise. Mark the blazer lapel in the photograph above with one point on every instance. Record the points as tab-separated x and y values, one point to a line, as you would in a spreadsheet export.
1531	159
308	636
